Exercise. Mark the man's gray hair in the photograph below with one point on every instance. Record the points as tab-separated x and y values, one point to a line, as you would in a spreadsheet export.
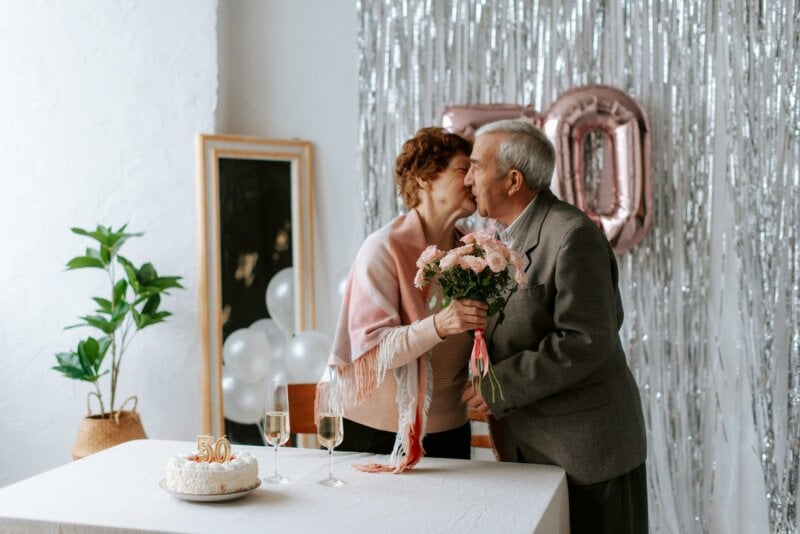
526	149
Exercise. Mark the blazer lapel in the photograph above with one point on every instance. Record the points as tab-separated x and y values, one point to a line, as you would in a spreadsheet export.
541	207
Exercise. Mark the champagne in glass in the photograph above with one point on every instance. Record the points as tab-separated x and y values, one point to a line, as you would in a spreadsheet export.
329	430
276	428
276	423
329	426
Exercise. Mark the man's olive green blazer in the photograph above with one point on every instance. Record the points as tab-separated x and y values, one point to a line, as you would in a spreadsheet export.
570	398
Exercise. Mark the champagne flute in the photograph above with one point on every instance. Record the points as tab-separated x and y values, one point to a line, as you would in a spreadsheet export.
329	426
276	422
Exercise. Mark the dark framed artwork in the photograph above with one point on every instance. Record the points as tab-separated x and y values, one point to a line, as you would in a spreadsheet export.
255	207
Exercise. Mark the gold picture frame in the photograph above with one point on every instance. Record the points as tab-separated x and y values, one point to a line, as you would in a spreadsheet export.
240	177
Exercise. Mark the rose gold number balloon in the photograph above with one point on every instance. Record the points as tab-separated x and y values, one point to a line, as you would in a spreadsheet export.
465	120
603	160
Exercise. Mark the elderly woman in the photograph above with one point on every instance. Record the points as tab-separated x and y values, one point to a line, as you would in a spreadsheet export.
402	367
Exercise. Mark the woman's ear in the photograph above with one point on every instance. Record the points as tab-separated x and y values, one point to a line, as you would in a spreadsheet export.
425	185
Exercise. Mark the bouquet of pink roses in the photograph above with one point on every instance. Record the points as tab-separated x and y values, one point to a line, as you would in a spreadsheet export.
483	269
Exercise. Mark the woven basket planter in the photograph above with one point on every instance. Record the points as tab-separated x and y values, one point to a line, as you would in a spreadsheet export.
98	432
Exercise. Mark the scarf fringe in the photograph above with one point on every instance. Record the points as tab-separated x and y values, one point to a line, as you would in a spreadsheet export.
378	468
359	380
367	373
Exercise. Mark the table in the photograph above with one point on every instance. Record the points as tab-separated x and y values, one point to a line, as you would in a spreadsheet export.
117	490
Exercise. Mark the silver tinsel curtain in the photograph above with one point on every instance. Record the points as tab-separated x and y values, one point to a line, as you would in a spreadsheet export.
711	297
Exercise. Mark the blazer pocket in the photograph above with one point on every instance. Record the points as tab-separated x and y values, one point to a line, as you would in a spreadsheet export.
581	399
524	295
526	321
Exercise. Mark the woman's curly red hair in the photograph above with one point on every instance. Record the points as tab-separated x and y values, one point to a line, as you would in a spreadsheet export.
424	156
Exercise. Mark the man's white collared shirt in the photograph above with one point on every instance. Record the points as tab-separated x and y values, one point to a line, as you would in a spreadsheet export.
513	234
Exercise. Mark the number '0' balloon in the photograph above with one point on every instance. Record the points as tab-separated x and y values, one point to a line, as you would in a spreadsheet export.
603	160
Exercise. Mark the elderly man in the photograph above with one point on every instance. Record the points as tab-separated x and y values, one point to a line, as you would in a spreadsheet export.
570	398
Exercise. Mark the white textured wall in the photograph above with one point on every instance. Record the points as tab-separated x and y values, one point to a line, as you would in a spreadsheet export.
289	70
99	105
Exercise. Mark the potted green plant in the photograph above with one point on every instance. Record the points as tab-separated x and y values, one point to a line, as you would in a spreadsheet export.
131	304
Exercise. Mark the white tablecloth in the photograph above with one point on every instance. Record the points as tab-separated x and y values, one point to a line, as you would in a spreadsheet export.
117	490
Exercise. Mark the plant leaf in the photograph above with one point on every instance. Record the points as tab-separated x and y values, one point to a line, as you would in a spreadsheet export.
81	262
91	353
105	304
92	253
72	371
148	320
101	323
120	288
81	231
105	254
87	355
119	312
118	238
146	273
151	305
102	346
69	364
165	282
99	235
137	318
131	273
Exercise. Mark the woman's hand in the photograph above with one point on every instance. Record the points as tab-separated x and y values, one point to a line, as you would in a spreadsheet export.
460	316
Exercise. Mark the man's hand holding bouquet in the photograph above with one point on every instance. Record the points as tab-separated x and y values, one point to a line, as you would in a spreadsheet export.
483	269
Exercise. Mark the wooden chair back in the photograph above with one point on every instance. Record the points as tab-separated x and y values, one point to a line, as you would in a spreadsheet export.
301	410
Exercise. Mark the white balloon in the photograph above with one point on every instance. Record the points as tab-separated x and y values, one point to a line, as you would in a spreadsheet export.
242	402
274	335
278	372
306	356
247	355
280	300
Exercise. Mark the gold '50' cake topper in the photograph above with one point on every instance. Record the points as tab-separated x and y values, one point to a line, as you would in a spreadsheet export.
220	451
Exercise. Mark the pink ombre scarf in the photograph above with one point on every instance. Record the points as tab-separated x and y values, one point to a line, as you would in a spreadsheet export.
379	297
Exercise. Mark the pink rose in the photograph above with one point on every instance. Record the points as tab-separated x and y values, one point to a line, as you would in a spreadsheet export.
463	250
432	253
486	238
419	279
469	238
450	259
496	261
474	263
480	237
495	247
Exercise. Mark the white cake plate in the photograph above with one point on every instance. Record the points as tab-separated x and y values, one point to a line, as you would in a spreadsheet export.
207	498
